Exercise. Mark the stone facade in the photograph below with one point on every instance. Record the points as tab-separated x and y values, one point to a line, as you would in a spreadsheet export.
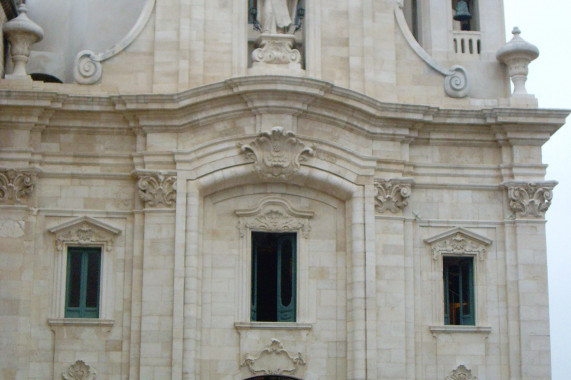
179	151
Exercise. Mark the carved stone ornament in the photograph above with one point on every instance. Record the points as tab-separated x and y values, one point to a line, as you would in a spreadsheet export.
530	199
15	185
274	215
273	360
459	242
79	371
84	231
276	49
461	373
277	154
392	195
157	189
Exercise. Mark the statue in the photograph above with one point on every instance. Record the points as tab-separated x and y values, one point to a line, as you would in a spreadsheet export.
277	16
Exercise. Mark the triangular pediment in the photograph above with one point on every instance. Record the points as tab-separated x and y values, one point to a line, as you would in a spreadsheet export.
462	231
85	220
459	241
84	231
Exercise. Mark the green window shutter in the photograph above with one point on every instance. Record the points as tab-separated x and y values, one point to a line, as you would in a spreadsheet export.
83	282
467	291
287	278
458	277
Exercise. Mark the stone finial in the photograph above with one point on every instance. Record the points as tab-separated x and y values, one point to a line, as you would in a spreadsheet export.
21	33
517	54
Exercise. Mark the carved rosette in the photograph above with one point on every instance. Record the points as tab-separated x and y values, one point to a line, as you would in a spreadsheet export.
274	215
157	189
79	371
15	185
276	49
530	199
459	242
277	154
461	373
84	231
392	195
272	360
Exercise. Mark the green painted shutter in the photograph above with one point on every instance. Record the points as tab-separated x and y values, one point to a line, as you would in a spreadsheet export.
467	291
287	274
83	282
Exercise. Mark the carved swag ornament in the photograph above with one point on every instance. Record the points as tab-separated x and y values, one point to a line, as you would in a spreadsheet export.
272	360
277	154
530	199
392	195
79	371
157	189
461	373
15	185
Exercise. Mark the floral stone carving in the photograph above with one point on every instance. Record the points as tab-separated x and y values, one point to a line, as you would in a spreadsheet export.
459	242
274	215
84	231
79	371
157	189
276	49
15	185
392	195
461	373
277	154
530	199
273	360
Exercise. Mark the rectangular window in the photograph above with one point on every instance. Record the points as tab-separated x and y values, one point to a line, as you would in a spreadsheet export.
273	277
459	290
82	284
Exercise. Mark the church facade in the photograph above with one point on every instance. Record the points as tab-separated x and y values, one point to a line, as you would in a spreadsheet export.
271	189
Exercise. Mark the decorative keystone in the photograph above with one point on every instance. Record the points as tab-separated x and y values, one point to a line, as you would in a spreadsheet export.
517	54
21	33
530	199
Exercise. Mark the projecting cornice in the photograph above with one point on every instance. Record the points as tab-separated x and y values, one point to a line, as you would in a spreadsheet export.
302	97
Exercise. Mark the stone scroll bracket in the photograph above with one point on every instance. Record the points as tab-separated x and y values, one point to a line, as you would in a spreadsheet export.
456	82
392	194
87	65
529	199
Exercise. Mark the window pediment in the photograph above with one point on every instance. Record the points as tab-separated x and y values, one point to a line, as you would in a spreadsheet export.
84	231
459	241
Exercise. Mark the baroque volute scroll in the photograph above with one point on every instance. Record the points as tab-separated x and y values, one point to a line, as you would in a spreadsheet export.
16	185
156	189
459	242
277	154
273	360
392	194
530	198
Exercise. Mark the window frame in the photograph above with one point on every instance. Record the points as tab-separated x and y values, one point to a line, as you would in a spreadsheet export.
465	319
82	310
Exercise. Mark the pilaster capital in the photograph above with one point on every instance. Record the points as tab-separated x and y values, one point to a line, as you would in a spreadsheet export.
156	188
392	194
16	184
529	198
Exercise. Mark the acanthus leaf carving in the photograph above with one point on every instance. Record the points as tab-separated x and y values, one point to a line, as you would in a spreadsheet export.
15	185
277	154
392	194
265	362
530	199
79	371
156	189
84	231
461	373
274	215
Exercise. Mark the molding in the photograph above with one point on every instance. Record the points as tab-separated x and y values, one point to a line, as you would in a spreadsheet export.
452	329
461	373
392	194
277	154
81	322
84	231
459	242
79	371
274	215
267	361
16	184
272	326
87	66
156	188
456	82
530	198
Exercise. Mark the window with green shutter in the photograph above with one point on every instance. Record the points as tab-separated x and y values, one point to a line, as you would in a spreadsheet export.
458	290
83	282
273	277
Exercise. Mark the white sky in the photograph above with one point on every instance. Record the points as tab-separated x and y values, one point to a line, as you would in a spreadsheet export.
547	24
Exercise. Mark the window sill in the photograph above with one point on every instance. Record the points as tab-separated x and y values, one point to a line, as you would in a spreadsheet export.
81	322
447	329
272	326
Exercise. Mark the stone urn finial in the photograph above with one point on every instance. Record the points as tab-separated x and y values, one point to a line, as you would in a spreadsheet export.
517	54
21	33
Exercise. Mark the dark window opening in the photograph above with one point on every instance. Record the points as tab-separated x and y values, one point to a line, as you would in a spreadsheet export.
82	285
46	78
273	277
458	290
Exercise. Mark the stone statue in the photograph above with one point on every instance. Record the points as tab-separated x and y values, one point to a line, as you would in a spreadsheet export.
277	16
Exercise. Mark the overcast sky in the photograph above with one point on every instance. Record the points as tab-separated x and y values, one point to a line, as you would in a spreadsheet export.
547	24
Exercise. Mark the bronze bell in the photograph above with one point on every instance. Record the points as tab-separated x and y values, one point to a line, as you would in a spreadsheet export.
462	12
